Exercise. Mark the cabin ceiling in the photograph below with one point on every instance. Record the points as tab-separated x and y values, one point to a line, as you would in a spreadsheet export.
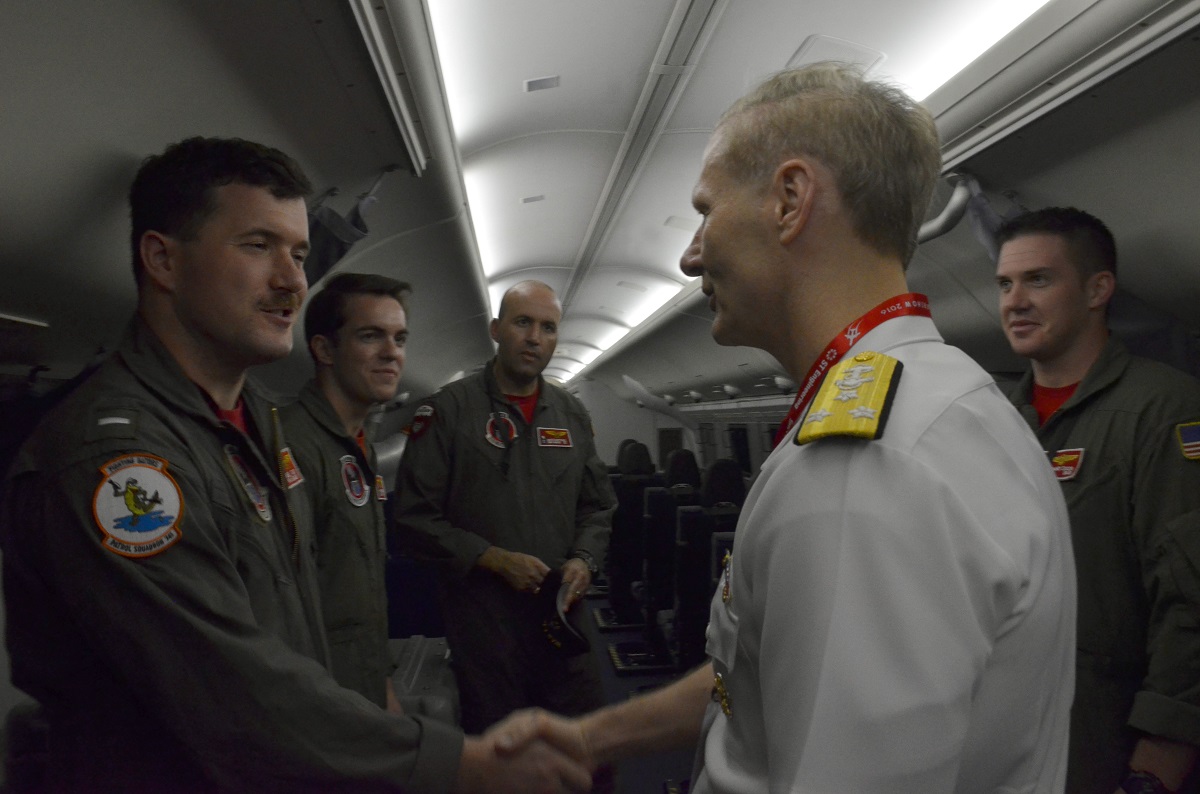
585	186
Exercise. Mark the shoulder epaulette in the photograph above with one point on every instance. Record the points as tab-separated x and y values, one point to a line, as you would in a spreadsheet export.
854	399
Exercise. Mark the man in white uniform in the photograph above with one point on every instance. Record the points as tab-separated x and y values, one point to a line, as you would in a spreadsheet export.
898	614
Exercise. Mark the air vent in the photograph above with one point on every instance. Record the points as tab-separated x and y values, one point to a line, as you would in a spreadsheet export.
541	83
631	285
532	199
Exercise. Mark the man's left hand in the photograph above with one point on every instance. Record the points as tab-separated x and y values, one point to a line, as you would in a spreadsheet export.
575	572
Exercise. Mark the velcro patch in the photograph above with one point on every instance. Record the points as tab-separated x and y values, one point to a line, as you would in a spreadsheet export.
291	472
257	494
137	505
554	437
854	399
1189	439
353	482
422	419
1066	463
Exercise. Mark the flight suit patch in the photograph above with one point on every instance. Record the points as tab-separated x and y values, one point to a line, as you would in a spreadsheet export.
254	492
353	482
500	430
854	399
291	472
1066	463
422	419
554	437
380	491
1189	439
137	506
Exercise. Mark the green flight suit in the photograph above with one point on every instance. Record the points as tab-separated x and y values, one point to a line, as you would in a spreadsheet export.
161	602
347	507
1134	502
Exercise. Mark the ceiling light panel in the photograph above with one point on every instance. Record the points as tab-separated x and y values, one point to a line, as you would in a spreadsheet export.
568	168
916	37
596	51
664	190
626	295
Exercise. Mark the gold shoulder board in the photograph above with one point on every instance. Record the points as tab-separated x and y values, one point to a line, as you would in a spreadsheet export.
854	399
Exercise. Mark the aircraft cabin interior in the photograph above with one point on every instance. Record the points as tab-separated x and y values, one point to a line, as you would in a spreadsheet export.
465	145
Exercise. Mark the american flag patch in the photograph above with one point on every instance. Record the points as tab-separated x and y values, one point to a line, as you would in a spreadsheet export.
1189	439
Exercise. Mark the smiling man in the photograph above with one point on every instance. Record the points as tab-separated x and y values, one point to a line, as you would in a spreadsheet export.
357	329
897	614
1122	434
159	582
500	483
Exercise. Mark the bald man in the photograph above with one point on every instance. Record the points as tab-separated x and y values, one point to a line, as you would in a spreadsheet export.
500	486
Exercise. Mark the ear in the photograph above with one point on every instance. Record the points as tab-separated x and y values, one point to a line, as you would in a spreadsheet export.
322	349
795	195
1100	288
158	254
494	330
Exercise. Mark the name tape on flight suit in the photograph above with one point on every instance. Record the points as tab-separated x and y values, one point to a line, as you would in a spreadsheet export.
554	437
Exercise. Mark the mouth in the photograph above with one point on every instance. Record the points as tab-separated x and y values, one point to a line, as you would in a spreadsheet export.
1021	326
283	309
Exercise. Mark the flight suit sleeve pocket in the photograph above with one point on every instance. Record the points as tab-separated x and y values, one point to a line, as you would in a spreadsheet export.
1181	555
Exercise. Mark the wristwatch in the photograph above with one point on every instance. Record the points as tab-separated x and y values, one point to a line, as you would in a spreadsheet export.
588	560
1144	783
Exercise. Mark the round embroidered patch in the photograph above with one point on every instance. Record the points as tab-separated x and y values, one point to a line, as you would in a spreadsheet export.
421	421
500	430
137	505
353	482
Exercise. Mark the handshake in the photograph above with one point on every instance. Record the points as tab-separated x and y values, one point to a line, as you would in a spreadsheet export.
530	752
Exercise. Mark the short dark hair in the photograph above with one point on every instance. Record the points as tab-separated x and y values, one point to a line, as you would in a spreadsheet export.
1090	243
326	311
173	191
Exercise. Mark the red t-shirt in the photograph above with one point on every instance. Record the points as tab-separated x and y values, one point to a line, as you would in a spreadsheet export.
1048	399
236	416
525	404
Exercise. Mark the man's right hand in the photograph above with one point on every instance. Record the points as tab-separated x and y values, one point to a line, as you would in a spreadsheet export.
535	768
523	572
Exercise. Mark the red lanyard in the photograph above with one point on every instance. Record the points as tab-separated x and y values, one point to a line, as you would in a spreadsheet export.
910	304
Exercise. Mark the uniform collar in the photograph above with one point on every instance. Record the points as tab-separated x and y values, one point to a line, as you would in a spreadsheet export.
315	402
894	333
153	365
493	387
1106	370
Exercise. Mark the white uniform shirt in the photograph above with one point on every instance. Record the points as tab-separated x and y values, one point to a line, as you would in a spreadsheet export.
901	612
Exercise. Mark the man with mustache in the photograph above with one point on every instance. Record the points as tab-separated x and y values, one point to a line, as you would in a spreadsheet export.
499	484
186	653
1123	435
357	329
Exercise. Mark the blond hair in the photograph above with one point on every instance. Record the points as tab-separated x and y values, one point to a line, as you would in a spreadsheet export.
881	146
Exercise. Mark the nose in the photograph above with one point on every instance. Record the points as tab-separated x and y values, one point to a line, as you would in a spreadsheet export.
288	274
391	349
690	262
1014	299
